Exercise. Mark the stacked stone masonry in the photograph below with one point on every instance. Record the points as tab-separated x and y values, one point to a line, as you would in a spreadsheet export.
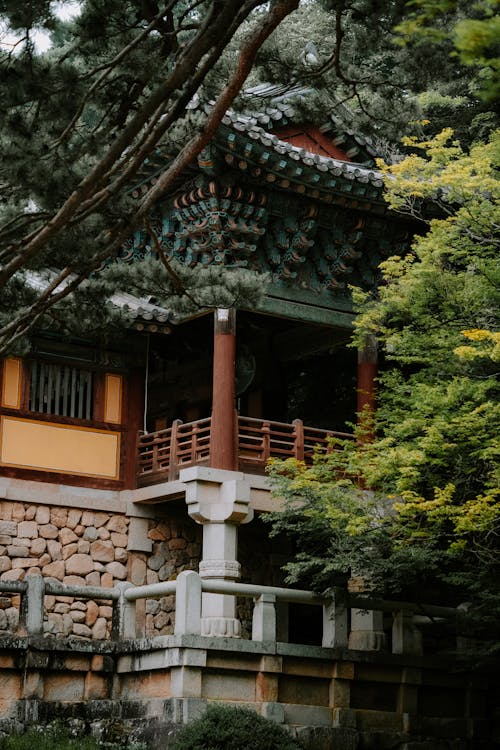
83	547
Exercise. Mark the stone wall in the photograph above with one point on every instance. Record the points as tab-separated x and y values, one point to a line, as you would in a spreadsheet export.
84	547
176	547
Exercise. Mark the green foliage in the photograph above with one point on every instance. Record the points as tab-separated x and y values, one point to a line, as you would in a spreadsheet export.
224	727
430	524
473	28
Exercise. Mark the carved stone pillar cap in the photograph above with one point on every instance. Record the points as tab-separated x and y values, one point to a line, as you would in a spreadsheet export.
220	569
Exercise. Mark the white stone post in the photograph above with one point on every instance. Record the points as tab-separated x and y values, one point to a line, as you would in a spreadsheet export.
406	637
220	501
264	618
367	630
188	603
335	622
33	604
124	614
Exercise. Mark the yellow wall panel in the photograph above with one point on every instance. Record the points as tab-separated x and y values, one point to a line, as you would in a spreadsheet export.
29	444
113	399
11	383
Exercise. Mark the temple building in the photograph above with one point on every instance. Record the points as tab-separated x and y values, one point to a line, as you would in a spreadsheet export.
146	452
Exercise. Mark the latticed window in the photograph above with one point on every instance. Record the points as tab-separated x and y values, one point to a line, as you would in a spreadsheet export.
61	390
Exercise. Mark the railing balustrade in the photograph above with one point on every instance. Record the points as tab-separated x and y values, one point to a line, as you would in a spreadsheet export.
162	454
189	587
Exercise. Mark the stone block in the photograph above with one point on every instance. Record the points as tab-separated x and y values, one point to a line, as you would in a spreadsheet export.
137	571
8	528
67	626
67	536
90	534
22	562
5	564
96	687
121	555
83	547
156	561
107	580
42	515
103	533
18	512
27	529
29	512
87	518
274	712
44	559
105	610
14	550
54	549
119	540
12	614
307	715
92	613
13	575
117	570
59	517
93	579
6	510
48	531
55	569
76	663
102	551
55	622
77	616
99	630
177	543
152	577
118	523
38	547
158	535
79	565
82	630
100	519
64	688
73	519
138	535
61	608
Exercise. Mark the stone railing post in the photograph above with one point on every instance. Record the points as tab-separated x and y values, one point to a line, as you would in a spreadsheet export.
32	607
220	501
335	622
264	618
406	637
124	614
367	630
188	603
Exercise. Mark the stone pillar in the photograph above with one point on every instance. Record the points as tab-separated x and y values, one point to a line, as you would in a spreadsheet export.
367	630
220	500
223	437
367	375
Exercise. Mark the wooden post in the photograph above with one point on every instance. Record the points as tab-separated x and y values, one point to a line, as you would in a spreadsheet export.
173	468
367	375
222	454
298	429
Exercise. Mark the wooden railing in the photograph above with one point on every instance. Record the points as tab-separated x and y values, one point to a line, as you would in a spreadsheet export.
162	454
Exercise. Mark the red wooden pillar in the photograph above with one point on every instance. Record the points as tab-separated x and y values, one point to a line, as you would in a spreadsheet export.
367	375
223	437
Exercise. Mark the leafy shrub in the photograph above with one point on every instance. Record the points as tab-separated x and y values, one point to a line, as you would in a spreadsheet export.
225	727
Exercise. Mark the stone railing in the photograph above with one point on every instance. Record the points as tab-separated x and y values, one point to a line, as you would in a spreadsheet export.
354	622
